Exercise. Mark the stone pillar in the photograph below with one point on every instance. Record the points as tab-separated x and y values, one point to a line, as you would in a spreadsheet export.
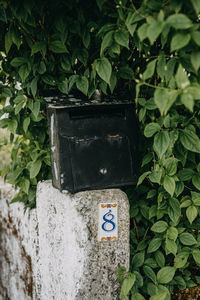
54	252
73	263
18	249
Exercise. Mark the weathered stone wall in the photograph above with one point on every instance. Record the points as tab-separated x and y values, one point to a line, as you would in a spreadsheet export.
18	248
53	252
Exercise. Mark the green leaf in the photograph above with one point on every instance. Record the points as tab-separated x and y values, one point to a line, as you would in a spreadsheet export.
179	41
121	273
197	202
179	21
161	296
154	30
190	140
131	28
38	46
162	290
196	255
63	86
6	92
58	47
174	210
103	87
24	71
36	109
18	61
142	177
26	123
170	69
8	41
196	181
86	38
155	176
172	233
154	245
115	48
185	174
172	96
35	168
113	81
188	101
191	213
149	273
82	84
48	79
171	166
127	285
196	5
131	22
25	185
159	226
20	99
138	260
179	188
181	78
137	296
196	198
149	70
169	185
16	173
187	239
151	128
121	37
180	282
150	262
171	247
181	259
18	107
104	69
186	203
41	68
194	91
165	275
161	67
34	86
195	60
126	72
161	99
83	56
161	143
196	37
142	31
16	36
107	41
160	259
12	126
147	158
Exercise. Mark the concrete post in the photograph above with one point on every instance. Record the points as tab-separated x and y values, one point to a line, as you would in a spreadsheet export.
74	263
59	251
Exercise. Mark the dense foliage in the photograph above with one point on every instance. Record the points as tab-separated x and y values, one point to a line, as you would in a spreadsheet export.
150	48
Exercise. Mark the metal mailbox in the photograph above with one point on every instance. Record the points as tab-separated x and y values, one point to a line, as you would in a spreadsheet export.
93	144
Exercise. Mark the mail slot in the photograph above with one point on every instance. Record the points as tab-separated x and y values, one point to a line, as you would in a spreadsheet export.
93	143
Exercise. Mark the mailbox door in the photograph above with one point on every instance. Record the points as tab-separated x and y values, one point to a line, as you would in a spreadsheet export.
101	162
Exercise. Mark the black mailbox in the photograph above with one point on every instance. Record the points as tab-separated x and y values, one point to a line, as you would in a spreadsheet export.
93	144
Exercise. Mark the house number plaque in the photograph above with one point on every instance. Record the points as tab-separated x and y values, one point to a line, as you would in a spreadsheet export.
108	222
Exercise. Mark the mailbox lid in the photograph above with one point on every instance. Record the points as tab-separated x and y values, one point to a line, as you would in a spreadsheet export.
94	120
101	162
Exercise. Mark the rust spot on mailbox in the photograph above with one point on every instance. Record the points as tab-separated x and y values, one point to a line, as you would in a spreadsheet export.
113	136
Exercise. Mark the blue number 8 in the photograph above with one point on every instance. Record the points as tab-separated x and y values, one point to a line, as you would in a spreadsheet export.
108	221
